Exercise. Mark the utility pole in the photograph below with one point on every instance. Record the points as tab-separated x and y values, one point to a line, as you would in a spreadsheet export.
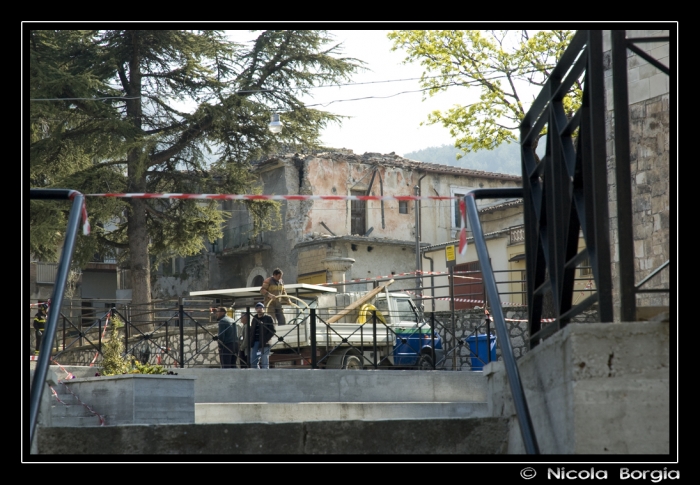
419	293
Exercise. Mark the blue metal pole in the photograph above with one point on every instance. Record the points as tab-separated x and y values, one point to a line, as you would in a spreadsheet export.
519	400
42	365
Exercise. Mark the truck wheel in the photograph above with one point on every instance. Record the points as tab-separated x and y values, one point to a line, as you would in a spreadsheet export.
425	362
352	362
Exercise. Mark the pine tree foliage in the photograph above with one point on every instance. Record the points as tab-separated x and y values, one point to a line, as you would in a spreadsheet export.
147	111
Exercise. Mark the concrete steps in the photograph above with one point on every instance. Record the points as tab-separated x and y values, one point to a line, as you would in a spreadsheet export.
301	412
295	395
70	411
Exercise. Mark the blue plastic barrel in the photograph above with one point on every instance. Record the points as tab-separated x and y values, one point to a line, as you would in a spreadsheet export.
479	347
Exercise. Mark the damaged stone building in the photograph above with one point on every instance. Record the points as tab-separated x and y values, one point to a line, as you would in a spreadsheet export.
323	241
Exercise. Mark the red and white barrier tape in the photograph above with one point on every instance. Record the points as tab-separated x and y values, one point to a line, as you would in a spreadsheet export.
273	197
86	406
83	212
463	300
68	377
55	394
47	303
104	330
488	315
68	374
468	278
462	203
409	273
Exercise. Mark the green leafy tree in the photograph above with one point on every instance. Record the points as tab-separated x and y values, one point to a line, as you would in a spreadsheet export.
504	65
164	111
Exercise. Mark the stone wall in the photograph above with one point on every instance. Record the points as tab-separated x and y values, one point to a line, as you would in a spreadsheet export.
471	322
200	350
310	260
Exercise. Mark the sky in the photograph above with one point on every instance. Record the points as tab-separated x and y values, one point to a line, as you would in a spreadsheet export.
384	117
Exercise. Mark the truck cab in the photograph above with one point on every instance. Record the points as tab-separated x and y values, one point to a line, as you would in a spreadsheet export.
415	346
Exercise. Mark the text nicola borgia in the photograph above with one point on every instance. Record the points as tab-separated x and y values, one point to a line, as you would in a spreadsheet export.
655	476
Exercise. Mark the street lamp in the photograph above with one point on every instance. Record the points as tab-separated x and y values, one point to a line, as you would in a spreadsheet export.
275	125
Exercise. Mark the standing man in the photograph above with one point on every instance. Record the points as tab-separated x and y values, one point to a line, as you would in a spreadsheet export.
243	340
39	324
263	329
273	290
228	341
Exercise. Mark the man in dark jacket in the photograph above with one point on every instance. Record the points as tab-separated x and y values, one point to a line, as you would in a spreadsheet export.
39	324
227	338
260	347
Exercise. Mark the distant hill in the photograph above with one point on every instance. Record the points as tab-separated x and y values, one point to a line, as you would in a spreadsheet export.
504	159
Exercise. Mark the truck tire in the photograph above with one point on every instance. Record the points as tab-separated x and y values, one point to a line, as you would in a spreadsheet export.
425	362
352	362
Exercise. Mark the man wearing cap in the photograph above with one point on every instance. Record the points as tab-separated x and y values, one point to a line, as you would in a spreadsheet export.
262	330
228	341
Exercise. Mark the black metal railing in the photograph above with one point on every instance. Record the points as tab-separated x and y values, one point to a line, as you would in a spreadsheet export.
156	332
628	290
566	191
176	334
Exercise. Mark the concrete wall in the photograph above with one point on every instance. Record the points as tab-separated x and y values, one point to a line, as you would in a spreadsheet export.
373	258
329	385
593	389
468	436
138	398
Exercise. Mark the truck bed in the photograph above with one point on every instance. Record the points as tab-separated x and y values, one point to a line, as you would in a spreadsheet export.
331	335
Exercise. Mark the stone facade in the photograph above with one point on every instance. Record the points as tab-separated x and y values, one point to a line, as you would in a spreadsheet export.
382	243
310	259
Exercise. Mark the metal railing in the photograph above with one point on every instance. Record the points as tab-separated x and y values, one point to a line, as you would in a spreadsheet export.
628	289
185	335
241	237
519	400
42	365
566	192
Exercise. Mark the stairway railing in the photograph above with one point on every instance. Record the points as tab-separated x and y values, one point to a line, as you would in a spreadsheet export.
496	311
42	365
